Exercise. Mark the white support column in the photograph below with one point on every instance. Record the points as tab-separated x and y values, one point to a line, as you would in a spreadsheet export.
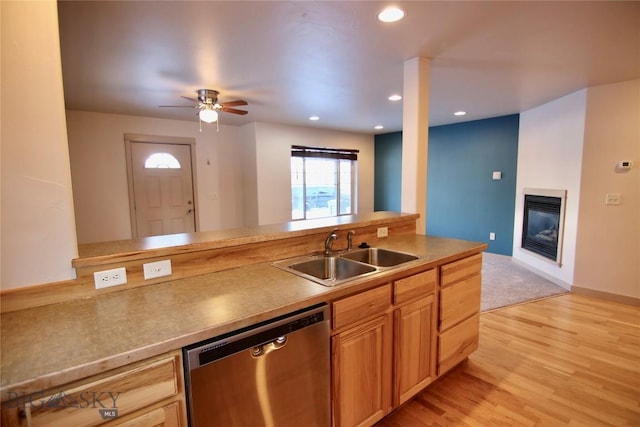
38	238
415	139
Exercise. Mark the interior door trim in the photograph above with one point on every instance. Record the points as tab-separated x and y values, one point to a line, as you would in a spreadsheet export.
130	138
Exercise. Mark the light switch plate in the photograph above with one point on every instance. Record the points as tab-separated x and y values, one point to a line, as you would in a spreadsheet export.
383	231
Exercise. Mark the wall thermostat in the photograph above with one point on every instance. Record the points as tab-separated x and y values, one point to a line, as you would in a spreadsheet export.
625	164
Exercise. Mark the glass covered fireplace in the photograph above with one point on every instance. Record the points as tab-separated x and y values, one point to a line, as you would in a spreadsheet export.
542	225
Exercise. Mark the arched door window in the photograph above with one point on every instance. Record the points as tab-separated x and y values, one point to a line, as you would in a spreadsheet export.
161	161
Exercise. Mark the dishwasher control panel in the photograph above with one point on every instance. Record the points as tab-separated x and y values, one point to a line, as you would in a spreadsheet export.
225	345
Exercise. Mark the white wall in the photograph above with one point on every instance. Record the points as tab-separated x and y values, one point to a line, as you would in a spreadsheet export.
250	175
273	153
574	143
243	173
38	232
550	145
609	236
98	168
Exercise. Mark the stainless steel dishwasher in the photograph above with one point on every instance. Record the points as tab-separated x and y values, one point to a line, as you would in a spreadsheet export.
273	374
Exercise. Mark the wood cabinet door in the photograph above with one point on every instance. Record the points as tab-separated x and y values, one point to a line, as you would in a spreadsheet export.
361	374
415	347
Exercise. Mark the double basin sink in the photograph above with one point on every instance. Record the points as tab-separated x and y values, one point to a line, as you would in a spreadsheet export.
337	269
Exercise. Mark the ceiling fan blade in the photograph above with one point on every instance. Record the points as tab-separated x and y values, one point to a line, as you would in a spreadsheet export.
179	106
234	111
190	99
234	103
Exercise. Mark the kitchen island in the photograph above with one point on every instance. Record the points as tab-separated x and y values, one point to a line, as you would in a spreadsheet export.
61	344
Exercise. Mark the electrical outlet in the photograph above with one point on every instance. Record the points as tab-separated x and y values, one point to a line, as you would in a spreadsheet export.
157	269
492	236
106	278
383	231
612	199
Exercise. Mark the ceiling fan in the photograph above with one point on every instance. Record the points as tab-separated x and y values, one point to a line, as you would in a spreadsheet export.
209	106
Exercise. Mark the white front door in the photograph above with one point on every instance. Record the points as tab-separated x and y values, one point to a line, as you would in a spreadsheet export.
162	189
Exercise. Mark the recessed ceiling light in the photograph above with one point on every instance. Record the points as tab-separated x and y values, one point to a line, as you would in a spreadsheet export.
314	118
395	97
459	113
378	127
390	14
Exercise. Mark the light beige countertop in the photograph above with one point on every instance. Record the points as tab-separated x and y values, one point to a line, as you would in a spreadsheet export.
47	346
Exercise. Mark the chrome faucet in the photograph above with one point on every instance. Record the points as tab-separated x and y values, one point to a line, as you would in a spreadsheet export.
328	242
350	239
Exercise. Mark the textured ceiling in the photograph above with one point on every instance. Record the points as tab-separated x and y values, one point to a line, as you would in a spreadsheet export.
333	59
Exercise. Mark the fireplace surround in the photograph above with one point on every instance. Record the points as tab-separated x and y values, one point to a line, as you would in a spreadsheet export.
543	222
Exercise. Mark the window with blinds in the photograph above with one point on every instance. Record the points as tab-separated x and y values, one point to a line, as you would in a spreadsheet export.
323	182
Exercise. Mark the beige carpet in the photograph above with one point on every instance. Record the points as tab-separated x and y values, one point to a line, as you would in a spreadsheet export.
504	282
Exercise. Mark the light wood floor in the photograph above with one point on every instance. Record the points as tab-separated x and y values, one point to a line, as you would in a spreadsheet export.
569	360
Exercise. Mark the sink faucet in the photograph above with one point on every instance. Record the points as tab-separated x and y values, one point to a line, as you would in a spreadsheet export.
350	239
328	242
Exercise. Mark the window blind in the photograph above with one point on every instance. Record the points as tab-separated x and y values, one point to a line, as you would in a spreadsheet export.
325	153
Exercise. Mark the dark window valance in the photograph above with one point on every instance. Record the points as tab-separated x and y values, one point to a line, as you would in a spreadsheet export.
326	153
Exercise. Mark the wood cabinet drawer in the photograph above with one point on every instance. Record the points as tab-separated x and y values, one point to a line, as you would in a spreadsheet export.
121	393
457	270
167	416
457	343
359	307
460	301
411	287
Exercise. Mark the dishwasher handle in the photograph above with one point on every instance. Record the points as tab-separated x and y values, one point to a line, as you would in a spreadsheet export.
269	347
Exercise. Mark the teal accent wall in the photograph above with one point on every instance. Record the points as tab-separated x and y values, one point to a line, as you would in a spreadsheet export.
388	175
463	201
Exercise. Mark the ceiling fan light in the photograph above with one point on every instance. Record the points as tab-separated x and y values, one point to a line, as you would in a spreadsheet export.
208	115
